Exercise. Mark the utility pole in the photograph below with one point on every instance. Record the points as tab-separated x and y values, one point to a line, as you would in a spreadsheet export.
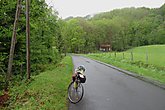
28	39
13	42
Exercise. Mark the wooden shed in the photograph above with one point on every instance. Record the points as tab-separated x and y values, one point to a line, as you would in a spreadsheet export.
105	47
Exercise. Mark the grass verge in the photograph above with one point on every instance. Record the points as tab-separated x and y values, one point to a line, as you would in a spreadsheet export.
46	91
147	71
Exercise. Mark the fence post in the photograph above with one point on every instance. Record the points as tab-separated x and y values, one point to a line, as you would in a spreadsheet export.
147	57
123	55
115	54
131	56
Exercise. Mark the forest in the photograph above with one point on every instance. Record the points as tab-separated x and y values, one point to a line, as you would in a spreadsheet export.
44	36
121	28
52	37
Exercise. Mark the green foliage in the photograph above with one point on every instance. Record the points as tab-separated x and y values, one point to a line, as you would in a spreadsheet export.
73	35
47	90
6	22
121	28
44	33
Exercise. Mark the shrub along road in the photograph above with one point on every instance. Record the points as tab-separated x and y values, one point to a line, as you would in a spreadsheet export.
46	91
107	89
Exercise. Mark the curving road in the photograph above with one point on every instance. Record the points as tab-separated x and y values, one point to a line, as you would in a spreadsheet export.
109	89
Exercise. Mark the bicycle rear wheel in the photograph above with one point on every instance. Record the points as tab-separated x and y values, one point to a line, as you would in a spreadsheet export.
75	94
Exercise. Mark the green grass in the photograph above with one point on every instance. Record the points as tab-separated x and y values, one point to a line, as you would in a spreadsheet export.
154	68
156	54
46	91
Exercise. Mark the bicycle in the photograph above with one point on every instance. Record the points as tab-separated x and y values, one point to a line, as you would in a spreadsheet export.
75	90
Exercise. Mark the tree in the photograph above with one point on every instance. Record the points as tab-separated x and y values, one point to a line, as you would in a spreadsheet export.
43	25
13	41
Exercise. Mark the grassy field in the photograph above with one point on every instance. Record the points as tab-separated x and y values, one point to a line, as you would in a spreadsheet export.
148	61
155	54
46	91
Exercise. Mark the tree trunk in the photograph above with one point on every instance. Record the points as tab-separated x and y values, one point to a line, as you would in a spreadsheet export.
13	42
27	39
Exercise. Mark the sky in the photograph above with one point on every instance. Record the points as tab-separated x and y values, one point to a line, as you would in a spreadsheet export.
75	8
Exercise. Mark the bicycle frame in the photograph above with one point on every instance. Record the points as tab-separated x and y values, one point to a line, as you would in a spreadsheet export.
76	82
76	87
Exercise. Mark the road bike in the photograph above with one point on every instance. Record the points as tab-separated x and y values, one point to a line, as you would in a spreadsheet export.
75	90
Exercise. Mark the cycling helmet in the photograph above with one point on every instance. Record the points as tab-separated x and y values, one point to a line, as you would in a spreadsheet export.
81	67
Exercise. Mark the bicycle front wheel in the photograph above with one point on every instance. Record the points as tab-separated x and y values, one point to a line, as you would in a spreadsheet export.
75	94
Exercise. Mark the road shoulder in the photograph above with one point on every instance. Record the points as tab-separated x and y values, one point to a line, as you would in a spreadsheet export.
156	83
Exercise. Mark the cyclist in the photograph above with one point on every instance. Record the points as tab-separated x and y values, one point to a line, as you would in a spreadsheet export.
80	72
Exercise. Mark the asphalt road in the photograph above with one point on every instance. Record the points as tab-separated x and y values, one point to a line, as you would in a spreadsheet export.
109	89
